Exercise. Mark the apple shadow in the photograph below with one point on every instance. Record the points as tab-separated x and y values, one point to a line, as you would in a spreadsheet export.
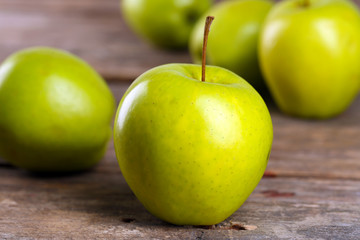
4	164
53	175
104	197
100	193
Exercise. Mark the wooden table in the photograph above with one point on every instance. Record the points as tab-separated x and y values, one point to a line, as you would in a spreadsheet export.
311	189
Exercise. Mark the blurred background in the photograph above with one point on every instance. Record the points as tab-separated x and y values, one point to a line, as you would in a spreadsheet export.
92	29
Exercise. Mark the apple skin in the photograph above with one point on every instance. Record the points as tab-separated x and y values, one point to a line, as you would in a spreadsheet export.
310	56
192	152
164	23
55	110
233	41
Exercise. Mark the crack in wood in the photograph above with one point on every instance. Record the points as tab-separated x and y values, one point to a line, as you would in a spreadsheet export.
128	220
229	226
269	174
6	165
275	193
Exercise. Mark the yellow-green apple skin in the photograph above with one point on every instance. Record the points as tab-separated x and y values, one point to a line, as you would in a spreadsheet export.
164	23
192	152
55	111
233	42
310	54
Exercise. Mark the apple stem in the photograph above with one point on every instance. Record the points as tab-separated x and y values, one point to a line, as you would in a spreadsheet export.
208	22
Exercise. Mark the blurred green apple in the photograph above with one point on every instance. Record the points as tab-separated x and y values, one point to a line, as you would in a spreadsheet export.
191	151
310	54
55	111
233	42
164	23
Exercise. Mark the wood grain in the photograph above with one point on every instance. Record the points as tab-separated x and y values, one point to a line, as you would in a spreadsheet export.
326	149
99	204
93	30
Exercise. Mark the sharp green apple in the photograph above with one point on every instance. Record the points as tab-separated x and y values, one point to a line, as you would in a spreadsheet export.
233	42
164	23
310	53
191	151
55	111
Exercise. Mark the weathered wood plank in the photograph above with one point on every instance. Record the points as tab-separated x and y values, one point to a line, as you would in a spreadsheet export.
94	30
327	149
99	204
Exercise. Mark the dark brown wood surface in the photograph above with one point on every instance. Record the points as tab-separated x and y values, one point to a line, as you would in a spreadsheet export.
91	29
311	189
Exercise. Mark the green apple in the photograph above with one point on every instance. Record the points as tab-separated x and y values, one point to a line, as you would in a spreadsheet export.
164	23
191	151
233	42
55	111
310	53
